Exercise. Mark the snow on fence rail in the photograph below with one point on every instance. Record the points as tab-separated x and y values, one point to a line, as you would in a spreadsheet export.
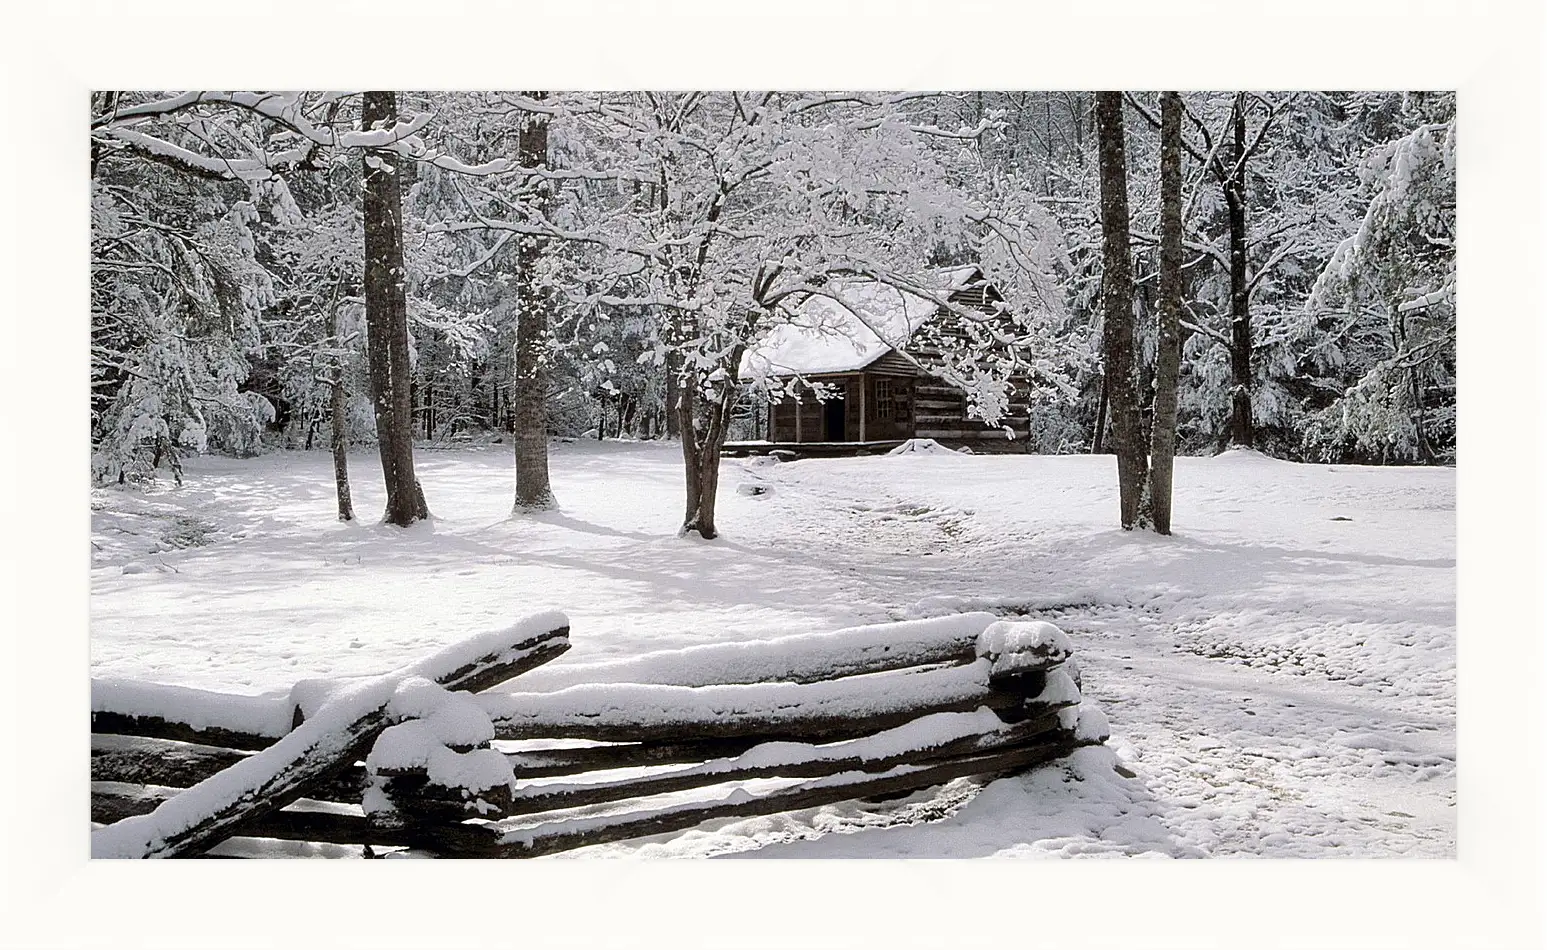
415	759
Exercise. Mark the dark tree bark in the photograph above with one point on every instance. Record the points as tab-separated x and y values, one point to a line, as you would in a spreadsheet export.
386	320
338	417
673	367
529	397
1099	439
1117	316
1240	292
1168	355
704	417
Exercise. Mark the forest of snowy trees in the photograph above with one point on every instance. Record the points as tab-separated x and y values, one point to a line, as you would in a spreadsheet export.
300	270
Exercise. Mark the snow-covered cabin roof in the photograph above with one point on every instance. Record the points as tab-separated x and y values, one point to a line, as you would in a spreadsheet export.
826	336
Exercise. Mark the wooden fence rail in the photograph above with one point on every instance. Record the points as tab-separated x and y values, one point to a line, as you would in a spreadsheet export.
586	753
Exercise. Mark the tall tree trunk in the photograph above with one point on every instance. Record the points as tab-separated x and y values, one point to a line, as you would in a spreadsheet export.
386	320
1240	303
1117	317
1168	352
530	397
338	422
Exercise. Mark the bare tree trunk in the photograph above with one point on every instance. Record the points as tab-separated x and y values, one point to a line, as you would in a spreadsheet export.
338	423
1168	352
1117	318
386	318
529	400
1240	303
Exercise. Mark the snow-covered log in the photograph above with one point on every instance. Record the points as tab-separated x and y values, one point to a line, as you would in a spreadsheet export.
232	721
114	801
551	837
841	708
226	720
156	761
545	763
928	739
416	801
178	765
128	707
801	658
339	734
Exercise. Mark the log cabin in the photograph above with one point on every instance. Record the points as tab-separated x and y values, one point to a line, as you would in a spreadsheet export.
861	374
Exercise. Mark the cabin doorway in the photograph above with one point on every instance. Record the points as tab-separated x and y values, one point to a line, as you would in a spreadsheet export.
834	416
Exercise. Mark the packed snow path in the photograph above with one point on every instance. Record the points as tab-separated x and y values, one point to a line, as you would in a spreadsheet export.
1279	675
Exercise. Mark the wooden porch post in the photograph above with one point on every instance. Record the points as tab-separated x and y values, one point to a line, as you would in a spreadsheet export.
864	386
797	420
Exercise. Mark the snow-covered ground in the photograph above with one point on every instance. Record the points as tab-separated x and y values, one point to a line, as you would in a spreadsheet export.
1279	675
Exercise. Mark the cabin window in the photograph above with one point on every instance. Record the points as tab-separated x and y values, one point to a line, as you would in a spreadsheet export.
885	408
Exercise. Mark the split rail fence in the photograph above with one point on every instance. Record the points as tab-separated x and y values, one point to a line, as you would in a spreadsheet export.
445	757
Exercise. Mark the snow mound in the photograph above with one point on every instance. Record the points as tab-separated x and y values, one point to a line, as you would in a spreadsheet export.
413	745
454	719
435	721
1093	725
1059	691
1029	638
921	447
1242	455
